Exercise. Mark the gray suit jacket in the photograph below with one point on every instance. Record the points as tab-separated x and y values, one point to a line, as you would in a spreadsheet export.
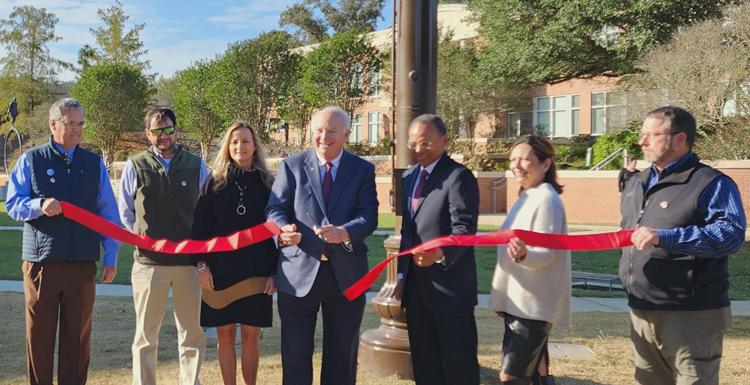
298	192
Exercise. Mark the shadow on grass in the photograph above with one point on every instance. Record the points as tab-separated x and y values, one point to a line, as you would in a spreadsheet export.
491	376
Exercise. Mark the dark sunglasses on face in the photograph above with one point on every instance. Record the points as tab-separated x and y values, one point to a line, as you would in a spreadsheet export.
164	130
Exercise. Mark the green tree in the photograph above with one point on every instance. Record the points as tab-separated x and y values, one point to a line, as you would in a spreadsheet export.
296	109
539	41
715	88
342	71
192	107
116	43
463	96
252	78
357	15
114	97
25	35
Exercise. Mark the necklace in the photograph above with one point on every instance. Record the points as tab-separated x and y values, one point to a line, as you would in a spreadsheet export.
241	209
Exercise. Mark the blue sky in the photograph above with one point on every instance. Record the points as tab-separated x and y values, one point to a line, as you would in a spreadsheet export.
176	33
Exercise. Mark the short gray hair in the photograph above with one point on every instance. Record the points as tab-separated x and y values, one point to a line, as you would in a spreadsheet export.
433	120
336	111
60	106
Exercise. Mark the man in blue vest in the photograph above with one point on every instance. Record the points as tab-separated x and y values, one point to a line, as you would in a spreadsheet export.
688	219
59	255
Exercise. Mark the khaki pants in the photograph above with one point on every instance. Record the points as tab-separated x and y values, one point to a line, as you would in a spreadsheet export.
678	347
151	284
64	291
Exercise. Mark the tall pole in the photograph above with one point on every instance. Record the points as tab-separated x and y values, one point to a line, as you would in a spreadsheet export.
385	351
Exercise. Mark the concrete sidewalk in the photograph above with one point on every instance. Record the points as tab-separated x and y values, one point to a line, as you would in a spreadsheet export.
579	304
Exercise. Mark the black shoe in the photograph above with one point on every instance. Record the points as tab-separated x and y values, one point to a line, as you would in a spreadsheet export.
544	380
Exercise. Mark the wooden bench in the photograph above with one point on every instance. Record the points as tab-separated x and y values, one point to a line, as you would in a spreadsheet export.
586	280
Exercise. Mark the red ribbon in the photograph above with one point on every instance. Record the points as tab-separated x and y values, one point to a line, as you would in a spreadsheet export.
238	240
584	242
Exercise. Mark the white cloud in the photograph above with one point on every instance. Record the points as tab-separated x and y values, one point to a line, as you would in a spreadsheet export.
177	56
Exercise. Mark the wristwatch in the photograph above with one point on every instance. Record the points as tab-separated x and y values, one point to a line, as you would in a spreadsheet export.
441	260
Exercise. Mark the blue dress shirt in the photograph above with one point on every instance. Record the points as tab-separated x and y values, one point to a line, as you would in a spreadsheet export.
22	207
721	207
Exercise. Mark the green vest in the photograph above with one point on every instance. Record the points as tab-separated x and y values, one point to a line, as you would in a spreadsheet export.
164	202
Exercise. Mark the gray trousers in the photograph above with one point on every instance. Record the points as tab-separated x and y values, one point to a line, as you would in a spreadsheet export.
678	347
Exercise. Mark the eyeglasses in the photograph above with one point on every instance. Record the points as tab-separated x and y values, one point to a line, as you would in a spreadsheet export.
169	130
651	135
424	145
68	123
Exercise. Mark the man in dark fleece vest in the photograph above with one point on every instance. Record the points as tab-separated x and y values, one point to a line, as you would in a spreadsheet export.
688	218
59	255
158	192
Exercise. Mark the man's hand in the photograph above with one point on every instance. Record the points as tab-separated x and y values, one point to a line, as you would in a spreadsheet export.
289	235
51	207
428	257
399	291
644	236
333	234
517	249
205	278
270	286
108	274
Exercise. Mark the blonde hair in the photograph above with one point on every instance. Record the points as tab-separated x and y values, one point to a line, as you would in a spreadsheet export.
223	159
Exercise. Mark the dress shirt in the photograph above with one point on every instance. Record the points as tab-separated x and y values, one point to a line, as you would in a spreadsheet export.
22	207
721	208
322	165
429	170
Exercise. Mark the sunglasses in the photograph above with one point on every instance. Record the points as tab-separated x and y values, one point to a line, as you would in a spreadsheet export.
164	130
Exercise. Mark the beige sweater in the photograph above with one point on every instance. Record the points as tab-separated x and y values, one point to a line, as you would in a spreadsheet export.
539	286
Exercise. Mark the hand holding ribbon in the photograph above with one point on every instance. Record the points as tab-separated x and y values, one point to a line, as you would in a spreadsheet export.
583	242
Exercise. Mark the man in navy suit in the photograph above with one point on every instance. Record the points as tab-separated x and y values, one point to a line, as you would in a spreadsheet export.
438	287
325	202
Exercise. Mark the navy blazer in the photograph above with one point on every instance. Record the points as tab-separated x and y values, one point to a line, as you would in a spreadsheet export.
449	205
297	196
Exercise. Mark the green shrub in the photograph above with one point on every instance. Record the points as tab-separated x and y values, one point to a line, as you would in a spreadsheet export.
610	141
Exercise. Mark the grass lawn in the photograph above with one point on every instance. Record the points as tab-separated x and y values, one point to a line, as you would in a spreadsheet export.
606	334
5	220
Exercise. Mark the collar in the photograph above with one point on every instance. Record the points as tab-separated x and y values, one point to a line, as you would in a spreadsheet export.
429	168
60	149
672	167
336	161
163	159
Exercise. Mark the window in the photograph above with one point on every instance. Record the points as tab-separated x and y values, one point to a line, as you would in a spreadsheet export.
607	111
373	122
557	116
520	123
374	84
356	125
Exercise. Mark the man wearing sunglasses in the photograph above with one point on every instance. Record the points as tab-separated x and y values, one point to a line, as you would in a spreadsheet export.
158	194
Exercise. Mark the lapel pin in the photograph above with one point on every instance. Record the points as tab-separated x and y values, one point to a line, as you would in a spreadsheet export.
52	180
183	183
50	172
664	204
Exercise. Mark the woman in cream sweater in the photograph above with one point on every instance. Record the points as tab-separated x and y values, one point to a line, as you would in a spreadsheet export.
531	285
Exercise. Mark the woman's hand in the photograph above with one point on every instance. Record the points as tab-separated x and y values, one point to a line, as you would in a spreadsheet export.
270	286
205	278
517	249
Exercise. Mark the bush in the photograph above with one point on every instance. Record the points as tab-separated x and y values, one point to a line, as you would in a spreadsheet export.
383	147
613	140
730	140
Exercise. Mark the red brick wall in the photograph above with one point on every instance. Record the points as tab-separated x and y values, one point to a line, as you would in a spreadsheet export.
591	196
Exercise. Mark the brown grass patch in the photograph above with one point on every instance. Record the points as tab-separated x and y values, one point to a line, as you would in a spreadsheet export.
605	333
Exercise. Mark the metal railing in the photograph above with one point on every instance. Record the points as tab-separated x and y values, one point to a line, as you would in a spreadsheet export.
495	185
609	158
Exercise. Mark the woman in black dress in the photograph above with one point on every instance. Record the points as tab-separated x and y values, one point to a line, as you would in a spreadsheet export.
232	199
